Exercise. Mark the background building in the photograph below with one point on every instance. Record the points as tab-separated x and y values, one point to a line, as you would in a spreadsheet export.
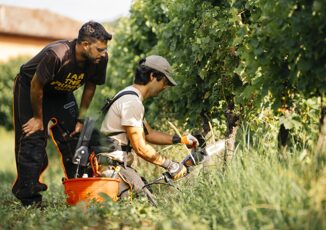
24	31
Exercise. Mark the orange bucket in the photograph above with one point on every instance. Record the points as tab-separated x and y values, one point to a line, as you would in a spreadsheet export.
86	189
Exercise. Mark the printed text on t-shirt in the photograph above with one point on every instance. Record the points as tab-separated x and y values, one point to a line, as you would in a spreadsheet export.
71	82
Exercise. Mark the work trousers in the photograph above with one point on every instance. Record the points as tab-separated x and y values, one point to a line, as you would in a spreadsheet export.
30	151
133	184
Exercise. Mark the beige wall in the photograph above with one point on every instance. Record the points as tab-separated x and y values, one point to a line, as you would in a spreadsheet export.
12	46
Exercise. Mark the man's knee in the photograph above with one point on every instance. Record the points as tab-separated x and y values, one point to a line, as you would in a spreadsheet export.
131	182
36	142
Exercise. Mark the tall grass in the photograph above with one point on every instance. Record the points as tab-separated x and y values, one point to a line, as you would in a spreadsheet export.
257	190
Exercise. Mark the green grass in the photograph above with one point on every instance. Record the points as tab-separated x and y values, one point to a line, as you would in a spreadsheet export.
257	190
7	141
52	175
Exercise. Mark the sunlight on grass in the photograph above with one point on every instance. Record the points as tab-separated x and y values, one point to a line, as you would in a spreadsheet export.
7	142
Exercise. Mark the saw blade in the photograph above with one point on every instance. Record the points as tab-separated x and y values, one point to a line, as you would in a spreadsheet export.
214	148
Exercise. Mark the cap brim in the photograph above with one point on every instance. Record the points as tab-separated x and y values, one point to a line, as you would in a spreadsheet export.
171	80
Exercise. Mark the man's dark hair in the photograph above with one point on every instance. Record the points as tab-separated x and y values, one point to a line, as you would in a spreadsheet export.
92	31
142	74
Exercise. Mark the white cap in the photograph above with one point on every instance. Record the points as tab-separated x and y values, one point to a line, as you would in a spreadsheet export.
160	64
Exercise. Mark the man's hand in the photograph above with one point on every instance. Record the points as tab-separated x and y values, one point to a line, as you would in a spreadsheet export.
189	140
78	128
176	170
32	125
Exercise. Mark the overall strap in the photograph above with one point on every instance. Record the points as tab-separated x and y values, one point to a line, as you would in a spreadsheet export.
109	102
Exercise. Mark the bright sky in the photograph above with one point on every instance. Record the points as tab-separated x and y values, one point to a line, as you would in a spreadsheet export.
82	10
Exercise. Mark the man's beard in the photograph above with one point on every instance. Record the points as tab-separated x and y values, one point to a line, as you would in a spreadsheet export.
91	59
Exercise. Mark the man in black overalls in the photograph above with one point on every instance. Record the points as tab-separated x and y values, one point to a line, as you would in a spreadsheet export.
43	90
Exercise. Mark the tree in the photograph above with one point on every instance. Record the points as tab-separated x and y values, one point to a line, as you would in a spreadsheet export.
197	37
284	53
8	72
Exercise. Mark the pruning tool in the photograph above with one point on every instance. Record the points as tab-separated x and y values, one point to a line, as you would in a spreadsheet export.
197	156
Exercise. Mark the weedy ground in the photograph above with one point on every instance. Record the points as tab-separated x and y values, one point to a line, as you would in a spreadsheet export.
257	189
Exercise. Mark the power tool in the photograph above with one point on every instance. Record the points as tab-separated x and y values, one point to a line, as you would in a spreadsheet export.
198	156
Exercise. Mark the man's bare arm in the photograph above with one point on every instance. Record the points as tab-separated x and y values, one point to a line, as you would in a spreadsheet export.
88	93
156	137
137	138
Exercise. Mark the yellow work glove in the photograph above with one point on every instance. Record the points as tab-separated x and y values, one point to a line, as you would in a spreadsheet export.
189	140
176	170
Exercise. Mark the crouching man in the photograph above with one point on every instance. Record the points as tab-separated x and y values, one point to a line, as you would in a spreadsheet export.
124	125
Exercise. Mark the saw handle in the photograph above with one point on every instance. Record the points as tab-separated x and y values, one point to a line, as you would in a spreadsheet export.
167	177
